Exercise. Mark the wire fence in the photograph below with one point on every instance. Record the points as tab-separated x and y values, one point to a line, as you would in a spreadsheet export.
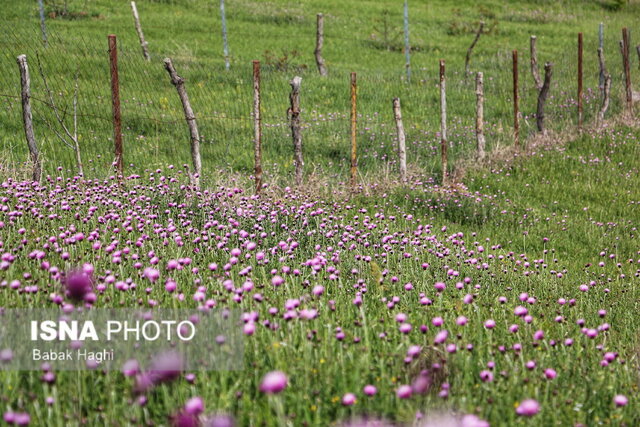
155	132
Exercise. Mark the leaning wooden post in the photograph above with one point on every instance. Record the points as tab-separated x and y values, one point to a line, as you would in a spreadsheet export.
257	126
542	96
580	118
296	131
115	102
516	98
225	44
605	99
43	25
443	126
601	46
143	43
638	52
627	70
470	50
534	62
322	68
402	149
603	69
27	117
480	116
354	128
407	47
178	82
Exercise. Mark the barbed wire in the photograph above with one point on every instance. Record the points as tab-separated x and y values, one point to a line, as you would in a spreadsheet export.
222	100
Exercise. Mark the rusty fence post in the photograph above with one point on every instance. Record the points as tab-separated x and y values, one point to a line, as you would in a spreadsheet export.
516	98
115	102
580	116
257	126
354	129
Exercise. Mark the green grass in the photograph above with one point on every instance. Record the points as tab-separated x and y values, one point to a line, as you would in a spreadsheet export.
535	197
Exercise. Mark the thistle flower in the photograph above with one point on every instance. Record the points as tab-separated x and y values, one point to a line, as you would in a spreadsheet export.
77	285
528	408
404	392
194	406
349	399
274	382
620	400
370	390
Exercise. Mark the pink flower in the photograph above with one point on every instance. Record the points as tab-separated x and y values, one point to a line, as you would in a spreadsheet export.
441	337
274	382
528	408
78	285
486	376
620	400
370	390
194	406
151	274
349	399
404	392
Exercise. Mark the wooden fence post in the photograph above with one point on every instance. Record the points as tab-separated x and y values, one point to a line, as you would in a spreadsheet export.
225	44
480	116
296	131
605	98
178	82
580	118
115	102
407	47
43	25
443	125
603	69
257	127
143	43
402	149
534	62
627	70
470	50
354	129
601	46
542	96
27	117
322	68
516	98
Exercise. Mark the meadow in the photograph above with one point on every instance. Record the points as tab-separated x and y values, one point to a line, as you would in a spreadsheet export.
507	299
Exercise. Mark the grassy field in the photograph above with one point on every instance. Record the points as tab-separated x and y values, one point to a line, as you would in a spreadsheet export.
509	298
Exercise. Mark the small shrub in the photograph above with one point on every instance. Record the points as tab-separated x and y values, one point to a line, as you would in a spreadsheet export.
284	62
